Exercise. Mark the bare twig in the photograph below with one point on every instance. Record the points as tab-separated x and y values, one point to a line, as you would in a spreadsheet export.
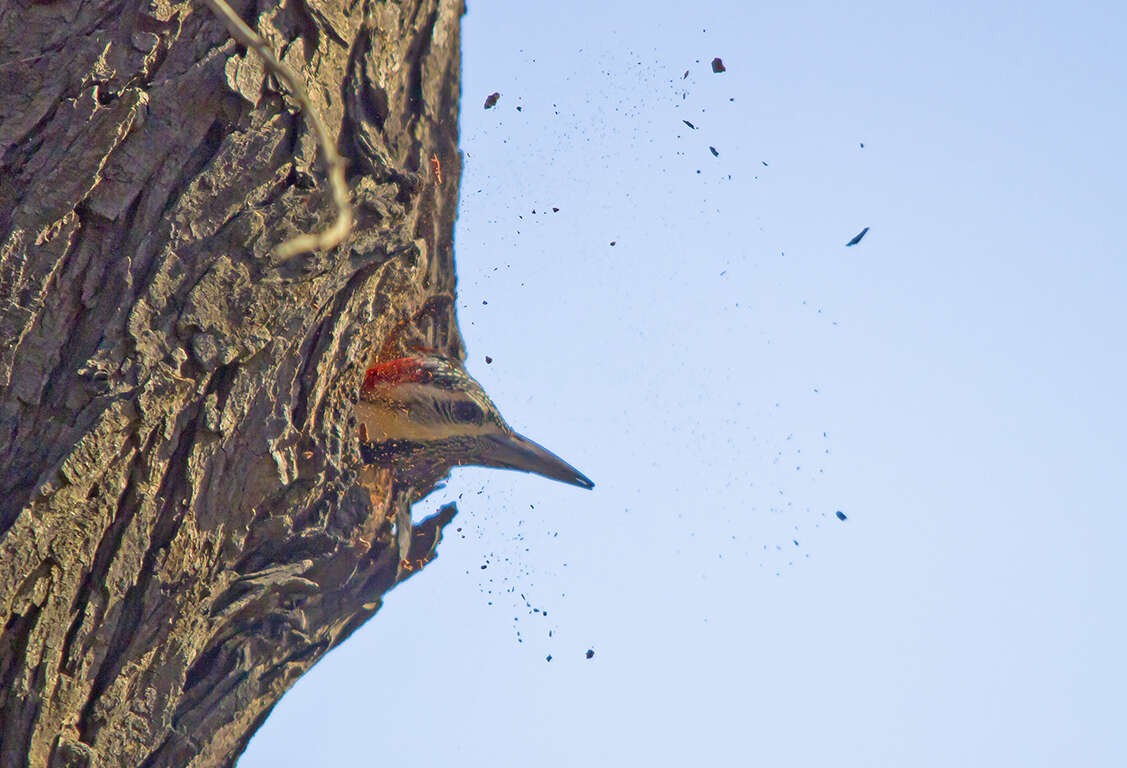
334	234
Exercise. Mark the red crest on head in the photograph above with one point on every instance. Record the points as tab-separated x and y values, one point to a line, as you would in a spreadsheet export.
394	372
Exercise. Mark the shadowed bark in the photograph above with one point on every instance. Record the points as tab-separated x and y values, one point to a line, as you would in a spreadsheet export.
182	528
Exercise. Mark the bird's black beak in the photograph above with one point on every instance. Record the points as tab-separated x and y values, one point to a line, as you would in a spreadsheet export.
515	451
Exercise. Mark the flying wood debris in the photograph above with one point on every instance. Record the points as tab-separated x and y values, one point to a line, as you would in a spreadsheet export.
857	238
718	65
686	122
714	152
491	100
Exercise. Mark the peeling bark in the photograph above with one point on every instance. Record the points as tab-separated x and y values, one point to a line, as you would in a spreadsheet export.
183	526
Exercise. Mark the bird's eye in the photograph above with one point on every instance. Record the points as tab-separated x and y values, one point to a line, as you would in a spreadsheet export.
468	412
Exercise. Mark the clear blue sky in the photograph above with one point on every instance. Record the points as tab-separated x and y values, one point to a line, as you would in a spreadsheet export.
730	375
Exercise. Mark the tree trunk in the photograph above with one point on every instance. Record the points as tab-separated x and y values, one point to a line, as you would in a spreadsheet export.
182	528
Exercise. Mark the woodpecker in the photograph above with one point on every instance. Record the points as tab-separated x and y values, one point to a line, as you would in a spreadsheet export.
424	415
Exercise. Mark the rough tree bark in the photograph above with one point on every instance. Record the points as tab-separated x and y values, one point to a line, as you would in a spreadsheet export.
182	531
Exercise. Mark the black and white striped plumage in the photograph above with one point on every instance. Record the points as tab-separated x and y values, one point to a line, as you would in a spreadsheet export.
421	416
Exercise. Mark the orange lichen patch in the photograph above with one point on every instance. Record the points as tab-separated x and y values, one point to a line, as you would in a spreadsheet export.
408	565
436	166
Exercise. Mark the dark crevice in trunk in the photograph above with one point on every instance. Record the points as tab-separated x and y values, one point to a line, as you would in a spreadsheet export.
107	548
130	617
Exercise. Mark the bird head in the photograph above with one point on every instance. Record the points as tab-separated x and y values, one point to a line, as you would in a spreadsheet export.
424	415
